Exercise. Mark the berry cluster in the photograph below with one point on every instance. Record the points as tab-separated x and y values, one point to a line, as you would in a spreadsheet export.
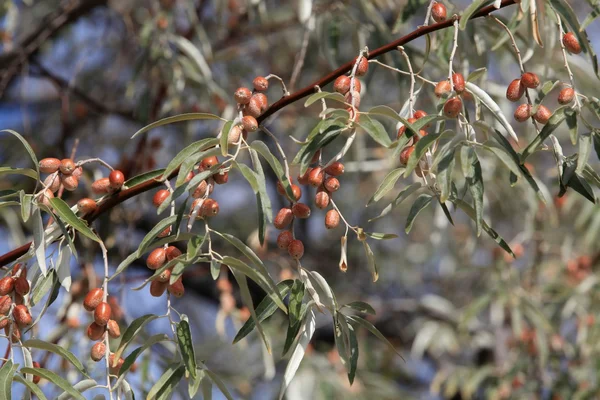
95	302
157	259
351	87
109	185
61	172
204	206
324	179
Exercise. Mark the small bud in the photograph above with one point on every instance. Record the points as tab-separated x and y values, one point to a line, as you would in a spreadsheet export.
515	90
522	113
301	210
176	289
98	351
102	314
284	239
69	182
283	218
210	208
316	176
86	205
442	88
249	123
459	82
7	285
322	198
116	180
49	165
157	258
332	219
331	184
405	154
438	12
363	66
453	107
101	186
5	304
542	114
530	80
158	288
260	84
571	43
22	316
160	196
335	169
566	96
342	84
67	166
21	285
113	329
95	331
242	95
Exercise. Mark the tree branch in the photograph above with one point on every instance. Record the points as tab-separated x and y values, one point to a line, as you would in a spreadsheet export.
123	195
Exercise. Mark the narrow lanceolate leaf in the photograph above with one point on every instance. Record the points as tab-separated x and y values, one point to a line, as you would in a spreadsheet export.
264	151
307	331
154	232
56	380
295	302
26	204
386	185
220	384
404	193
34	388
421	148
420	204
324	95
6	376
585	148
59	350
478	73
166	384
19	171
265	309
375	129
386	111
493	107
556	119
80	386
472	9
145	177
41	288
223	144
67	215
371	261
247	299
63	267
177	118
294	329
361	306
472	170
306	153
371	328
27	148
353	353
130	359
261	277
131	332
265	214
194	148
186	346
39	241
504	156
572	125
381	236
486	228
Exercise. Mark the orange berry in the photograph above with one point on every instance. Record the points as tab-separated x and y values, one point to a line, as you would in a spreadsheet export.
95	331
67	166
22	316
113	329
332	219
522	113
284	239
442	88
101	186
571	43
453	107
283	218
201	190
49	165
459	82
158	288
164	276
242	95
7	285
322	198
566	96
172	252
157	258
111	360
405	154
335	169
342	84
21	285
530	80
301	210
316	176
98	351
249	124
93	298
116	180
36	378
515	90
363	66
52	182
296	249
353	96
102	314
210	208
303	179
86	205
331	184
438	12
208	162
5	304
221	177
260	84
69	182
542	115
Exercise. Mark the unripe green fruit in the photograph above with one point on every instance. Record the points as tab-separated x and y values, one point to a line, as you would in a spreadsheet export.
113	329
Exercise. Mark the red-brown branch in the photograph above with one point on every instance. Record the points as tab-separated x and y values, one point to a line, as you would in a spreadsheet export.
120	197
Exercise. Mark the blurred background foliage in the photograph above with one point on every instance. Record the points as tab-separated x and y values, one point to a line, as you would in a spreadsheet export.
470	321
